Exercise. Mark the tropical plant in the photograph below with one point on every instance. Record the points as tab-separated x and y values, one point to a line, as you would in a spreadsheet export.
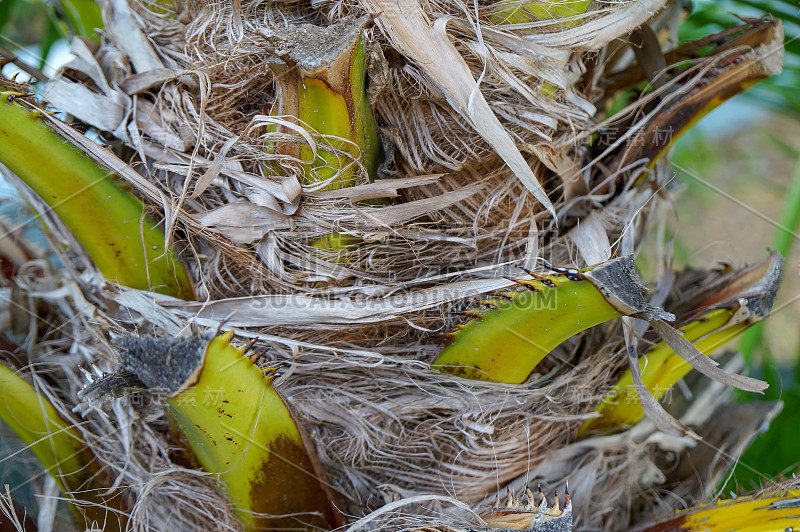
419	220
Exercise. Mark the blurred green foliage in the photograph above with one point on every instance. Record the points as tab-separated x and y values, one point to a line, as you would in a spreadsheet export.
775	452
709	16
26	22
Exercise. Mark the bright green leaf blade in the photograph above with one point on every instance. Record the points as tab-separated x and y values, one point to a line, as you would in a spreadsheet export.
238	427
110	223
61	450
506	343
84	17
776	513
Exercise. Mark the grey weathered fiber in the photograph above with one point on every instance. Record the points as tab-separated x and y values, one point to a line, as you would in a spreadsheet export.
163	364
619	283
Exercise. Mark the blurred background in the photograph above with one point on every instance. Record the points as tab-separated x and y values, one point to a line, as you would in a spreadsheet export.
739	171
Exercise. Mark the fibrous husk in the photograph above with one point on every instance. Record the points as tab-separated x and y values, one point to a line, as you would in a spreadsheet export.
484	172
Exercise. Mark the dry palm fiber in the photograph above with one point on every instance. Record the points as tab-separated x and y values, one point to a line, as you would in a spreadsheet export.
186	91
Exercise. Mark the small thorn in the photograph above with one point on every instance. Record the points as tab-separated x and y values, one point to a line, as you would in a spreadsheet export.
270	374
556	509
572	274
527	283
445	338
503	295
544	279
97	370
542	501
531	501
509	498
249	345
540	276
255	355
89	376
223	321
491	303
